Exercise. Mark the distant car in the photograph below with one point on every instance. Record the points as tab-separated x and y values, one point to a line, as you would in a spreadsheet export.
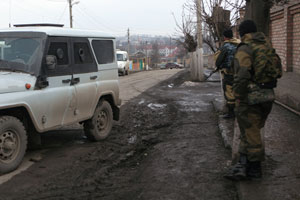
123	62
162	66
179	65
172	65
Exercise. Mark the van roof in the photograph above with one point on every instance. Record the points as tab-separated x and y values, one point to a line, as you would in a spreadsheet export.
119	51
59	31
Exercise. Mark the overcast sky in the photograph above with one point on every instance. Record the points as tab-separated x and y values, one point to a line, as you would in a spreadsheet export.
152	17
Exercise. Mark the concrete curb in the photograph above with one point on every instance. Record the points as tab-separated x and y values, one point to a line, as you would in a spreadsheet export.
225	125
226	130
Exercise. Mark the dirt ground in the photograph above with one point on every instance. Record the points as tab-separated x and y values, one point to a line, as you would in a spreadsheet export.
166	146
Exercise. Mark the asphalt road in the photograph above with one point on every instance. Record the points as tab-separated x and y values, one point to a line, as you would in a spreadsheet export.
136	83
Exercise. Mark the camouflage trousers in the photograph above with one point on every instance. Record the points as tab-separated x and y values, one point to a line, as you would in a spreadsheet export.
227	83
251	119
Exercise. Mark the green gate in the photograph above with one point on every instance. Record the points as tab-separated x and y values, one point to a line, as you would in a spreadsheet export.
141	64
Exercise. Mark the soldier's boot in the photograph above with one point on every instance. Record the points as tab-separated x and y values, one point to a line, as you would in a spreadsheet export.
254	170
230	114
238	171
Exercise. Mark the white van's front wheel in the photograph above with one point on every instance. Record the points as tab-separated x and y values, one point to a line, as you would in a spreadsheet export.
99	126
13	143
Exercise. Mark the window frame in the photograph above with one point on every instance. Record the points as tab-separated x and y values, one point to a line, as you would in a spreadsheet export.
113	50
85	67
60	70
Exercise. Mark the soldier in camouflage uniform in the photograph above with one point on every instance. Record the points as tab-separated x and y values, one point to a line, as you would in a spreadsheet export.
251	115
224	62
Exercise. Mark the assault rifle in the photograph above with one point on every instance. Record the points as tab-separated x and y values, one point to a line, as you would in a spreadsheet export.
211	73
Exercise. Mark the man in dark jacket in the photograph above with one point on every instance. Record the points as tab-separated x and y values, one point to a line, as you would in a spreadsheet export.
251	117
224	62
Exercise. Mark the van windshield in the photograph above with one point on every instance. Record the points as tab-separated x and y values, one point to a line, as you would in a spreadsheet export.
120	57
19	54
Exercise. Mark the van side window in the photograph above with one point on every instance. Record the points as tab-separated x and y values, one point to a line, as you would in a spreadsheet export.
82	53
104	51
60	50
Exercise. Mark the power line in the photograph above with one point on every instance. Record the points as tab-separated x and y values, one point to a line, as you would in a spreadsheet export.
62	13
93	14
91	19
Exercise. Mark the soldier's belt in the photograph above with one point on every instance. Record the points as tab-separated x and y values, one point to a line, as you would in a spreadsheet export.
257	95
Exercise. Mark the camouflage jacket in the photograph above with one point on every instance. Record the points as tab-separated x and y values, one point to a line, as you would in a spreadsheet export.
225	58
243	63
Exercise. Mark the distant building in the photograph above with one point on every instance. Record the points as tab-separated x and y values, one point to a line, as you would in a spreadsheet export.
139	60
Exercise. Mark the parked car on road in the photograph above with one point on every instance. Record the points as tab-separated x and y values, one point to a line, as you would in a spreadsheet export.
172	65
123	62
179	65
162	66
51	77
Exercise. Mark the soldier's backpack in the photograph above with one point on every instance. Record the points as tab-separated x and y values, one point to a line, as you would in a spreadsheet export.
267	66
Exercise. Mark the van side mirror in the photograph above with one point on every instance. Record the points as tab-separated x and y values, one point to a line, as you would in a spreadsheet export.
51	62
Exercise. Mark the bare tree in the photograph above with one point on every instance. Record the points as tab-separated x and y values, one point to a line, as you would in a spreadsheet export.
217	16
155	56
186	30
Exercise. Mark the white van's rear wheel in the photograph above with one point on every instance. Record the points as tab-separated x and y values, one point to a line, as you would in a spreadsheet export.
99	126
13	143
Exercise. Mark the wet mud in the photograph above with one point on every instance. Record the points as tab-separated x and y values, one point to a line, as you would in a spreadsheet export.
166	146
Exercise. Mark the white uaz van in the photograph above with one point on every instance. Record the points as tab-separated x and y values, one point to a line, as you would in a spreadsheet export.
51	77
123	62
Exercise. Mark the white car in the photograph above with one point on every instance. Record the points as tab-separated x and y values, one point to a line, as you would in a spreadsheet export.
51	77
123	62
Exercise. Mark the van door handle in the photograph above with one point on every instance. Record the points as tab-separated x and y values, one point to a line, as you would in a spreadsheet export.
93	77
66	81
75	81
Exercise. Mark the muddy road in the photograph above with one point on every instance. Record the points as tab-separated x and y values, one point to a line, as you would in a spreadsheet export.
166	146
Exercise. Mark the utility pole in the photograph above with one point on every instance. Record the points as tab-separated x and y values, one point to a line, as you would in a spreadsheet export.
70	12
9	24
128	40
197	68
71	4
199	24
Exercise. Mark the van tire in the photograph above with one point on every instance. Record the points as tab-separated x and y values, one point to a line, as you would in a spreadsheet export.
99	126
13	143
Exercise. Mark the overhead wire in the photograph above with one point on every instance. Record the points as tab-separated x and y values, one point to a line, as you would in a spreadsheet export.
91	19
62	13
104	24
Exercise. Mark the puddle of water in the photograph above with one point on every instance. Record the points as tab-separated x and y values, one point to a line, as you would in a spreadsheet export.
219	99
194	106
189	83
155	106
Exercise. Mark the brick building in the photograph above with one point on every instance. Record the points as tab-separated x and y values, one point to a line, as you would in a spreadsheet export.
285	34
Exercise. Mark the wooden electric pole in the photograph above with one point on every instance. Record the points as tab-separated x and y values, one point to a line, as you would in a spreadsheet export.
70	12
128	40
71	4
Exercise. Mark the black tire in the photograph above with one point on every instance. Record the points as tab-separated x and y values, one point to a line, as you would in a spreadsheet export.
13	143
99	126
